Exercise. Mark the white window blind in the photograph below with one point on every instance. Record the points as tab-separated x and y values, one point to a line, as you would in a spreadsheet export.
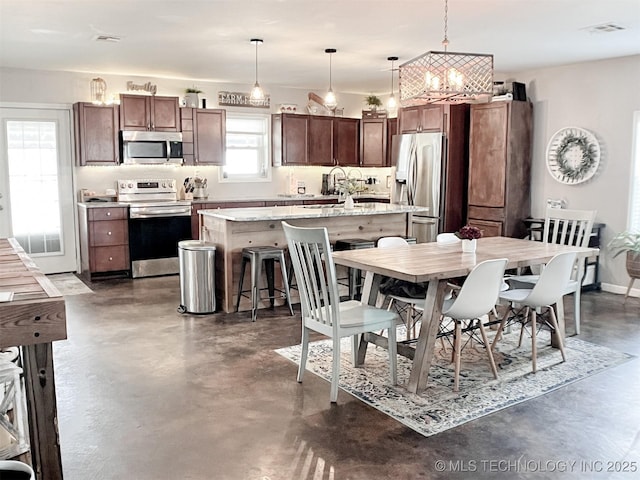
247	151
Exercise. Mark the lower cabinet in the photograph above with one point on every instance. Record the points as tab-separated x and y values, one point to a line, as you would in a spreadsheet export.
104	241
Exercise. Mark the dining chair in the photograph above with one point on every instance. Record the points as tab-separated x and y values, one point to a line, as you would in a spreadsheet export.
547	291
565	227
474	301
411	307
322	310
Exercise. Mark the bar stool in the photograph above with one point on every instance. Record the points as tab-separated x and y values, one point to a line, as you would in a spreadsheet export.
354	276
256	256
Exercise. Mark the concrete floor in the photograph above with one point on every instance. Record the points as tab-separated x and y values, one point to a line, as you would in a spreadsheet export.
146	393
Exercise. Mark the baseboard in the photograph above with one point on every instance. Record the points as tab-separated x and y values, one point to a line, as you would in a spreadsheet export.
608	287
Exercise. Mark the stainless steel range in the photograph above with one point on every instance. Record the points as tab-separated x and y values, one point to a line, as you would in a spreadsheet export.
157	222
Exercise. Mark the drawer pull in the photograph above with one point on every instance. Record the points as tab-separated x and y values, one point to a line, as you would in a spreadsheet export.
110	259
108	233
108	214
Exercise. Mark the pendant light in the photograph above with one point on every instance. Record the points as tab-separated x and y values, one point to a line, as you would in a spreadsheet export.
330	100
446	76
257	94
391	103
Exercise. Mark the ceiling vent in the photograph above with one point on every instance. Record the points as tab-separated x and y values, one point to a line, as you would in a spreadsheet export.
107	38
604	28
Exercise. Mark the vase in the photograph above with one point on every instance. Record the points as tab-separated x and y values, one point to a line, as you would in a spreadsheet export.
191	100
469	246
348	203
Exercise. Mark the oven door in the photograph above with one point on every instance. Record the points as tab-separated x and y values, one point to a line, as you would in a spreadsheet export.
153	244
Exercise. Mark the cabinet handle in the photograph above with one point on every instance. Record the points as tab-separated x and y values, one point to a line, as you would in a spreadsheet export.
110	259
108	233
108	214
153	127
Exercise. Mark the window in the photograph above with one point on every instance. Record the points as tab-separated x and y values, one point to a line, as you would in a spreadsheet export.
634	207
247	154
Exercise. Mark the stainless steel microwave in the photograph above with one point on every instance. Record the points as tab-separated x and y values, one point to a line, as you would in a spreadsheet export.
150	148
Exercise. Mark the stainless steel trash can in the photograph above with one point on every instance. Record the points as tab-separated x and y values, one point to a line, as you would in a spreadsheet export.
197	276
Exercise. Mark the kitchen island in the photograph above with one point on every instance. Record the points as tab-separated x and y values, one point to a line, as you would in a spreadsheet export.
233	229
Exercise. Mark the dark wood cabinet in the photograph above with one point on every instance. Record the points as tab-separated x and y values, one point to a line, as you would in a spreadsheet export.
421	118
320	141
203	136
392	129
374	142
96	134
500	167
346	142
104	241
314	140
140	112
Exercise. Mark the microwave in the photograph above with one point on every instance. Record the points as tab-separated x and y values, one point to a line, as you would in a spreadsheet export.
149	148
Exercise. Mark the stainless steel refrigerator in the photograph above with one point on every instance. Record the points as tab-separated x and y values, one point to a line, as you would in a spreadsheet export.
418	179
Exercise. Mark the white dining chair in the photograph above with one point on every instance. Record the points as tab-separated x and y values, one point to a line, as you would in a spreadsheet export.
14	469
473	303
565	227
524	303
411	308
322	310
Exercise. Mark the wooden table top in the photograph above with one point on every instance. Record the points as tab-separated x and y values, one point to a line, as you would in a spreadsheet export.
431	261
37	312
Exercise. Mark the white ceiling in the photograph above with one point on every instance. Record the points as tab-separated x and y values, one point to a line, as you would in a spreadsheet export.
208	40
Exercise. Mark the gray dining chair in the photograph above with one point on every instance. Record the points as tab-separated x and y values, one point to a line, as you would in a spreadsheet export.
322	310
565	227
524	303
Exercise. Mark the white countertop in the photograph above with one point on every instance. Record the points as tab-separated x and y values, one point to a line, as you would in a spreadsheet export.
308	211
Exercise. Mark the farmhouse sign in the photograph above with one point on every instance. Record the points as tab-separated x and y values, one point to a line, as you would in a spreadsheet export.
240	99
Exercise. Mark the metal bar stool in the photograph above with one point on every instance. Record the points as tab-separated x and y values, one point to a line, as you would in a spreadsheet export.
258	255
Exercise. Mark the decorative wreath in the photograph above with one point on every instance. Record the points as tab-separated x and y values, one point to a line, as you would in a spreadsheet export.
573	155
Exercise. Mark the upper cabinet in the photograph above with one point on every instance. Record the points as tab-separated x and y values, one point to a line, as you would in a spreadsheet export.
96	134
141	112
421	118
203	136
500	167
314	140
376	138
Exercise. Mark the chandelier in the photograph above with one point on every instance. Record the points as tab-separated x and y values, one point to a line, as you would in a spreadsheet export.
446	76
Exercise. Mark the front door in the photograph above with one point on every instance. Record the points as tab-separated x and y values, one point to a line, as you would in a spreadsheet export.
36	185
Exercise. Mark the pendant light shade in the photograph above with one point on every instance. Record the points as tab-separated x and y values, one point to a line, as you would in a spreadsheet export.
446	76
257	94
330	100
392	104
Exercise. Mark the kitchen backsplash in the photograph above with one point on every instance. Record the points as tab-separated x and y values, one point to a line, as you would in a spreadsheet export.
98	179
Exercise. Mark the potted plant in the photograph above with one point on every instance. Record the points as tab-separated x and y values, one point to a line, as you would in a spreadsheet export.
191	97
373	102
629	243
469	236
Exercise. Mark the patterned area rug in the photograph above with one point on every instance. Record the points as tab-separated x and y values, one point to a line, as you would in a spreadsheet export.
439	408
69	284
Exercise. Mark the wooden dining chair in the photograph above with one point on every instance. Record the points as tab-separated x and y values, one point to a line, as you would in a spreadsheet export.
322	310
565	227
524	303
474	301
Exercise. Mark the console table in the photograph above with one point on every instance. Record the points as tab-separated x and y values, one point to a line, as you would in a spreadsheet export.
32	320
535	227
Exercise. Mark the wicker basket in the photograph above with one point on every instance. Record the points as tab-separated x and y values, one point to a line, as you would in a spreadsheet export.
633	264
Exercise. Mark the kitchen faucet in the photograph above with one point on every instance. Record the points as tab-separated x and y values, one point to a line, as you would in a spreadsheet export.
342	195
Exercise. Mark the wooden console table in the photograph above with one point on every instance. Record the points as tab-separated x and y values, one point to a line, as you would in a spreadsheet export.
32	320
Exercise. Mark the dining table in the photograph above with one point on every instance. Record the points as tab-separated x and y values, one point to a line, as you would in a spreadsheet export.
32	319
435	264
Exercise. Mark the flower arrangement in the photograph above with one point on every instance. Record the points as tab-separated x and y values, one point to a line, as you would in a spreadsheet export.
469	233
625	242
193	89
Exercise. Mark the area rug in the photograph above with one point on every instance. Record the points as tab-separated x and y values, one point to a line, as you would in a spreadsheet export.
69	284
438	408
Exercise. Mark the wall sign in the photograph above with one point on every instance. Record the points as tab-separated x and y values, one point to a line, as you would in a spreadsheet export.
146	87
573	155
240	99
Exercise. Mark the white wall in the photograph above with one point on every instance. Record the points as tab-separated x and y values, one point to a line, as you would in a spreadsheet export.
600	97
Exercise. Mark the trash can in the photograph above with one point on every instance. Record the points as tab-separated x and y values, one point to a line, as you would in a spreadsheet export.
197	276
